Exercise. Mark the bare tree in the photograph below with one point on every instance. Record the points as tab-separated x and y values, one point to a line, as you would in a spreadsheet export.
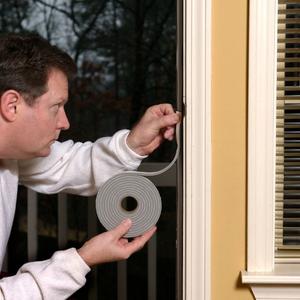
12	15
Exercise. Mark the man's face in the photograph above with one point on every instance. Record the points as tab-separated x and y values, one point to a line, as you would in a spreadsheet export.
40	124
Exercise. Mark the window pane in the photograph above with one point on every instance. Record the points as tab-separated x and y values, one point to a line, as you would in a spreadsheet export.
288	129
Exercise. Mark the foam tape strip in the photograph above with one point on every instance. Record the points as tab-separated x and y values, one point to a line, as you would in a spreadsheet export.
109	203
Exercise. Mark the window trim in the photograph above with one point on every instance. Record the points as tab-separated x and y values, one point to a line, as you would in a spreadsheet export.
197	150
263	275
261	134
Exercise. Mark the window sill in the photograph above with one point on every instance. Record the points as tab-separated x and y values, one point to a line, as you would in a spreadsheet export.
282	274
281	284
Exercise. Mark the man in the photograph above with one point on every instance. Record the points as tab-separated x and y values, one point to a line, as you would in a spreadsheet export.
33	91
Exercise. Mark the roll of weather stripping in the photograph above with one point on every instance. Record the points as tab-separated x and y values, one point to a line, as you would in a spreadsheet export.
133	188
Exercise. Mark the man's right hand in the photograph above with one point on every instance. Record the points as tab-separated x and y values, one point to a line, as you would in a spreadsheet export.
111	246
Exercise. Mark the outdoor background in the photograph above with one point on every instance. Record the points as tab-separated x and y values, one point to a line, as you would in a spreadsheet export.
125	51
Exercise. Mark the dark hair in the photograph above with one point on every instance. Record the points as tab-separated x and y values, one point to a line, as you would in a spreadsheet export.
26	59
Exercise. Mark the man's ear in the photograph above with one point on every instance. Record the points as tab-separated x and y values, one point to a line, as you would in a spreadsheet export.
9	102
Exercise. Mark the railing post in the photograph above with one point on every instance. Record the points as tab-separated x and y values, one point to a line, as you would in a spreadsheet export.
62	220
122	280
5	263
152	260
92	231
32	237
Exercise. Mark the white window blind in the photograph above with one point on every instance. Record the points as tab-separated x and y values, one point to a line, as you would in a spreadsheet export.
287	244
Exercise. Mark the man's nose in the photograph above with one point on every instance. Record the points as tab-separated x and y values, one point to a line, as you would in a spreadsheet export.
63	122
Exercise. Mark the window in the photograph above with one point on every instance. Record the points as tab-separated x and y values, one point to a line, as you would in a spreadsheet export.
126	57
264	274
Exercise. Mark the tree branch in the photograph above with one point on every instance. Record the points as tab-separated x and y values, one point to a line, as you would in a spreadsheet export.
63	11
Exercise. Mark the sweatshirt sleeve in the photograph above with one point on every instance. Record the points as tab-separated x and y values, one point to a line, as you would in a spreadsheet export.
56	278
79	168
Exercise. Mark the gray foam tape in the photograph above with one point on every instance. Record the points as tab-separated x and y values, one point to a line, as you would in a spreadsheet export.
132	184
110	211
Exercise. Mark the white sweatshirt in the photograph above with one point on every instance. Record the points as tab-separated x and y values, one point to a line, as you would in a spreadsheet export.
78	168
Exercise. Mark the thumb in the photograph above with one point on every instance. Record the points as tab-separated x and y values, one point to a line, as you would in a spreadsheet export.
122	229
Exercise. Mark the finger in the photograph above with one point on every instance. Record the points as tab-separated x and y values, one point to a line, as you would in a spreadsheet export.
163	109
139	242
168	120
122	229
167	108
169	133
123	242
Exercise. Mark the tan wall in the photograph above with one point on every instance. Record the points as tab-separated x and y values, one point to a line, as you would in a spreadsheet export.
229	105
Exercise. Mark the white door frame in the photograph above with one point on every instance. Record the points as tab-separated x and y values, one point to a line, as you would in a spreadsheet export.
197	150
